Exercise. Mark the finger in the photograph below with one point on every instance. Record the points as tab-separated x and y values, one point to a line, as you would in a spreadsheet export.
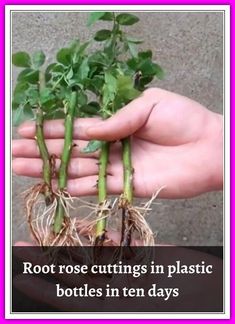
55	128
23	243
77	167
87	186
127	120
28	148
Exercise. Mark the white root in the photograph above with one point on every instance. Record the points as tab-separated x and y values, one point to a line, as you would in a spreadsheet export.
41	217
137	218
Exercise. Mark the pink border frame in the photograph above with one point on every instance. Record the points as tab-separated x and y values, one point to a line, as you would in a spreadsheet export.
2	133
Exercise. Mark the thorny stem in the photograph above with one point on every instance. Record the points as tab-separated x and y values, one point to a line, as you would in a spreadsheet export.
127	191
65	158
102	194
39	137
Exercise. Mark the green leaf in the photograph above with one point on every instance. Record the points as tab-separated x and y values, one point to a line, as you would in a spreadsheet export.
46	95
99	58
14	105
78	51
75	45
147	67
38	59
19	94
91	109
108	16
102	35
33	96
132	49
64	56
21	59
82	98
133	63
125	88
158	71
144	81
58	69
29	75
99	15
21	114
83	70
49	70
92	146
54	114
124	82
134	40
95	84
145	55
94	16
69	75
83	47
127	19
111	81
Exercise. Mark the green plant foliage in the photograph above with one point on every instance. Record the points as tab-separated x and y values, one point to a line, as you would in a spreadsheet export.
109	73
21	59
21	114
38	59
100	15
92	146
102	35
127	19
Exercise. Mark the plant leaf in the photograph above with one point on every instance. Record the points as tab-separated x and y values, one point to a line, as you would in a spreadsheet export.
54	114
21	114
134	40
94	16
125	88
64	56
33	96
21	59
29	75
159	72
102	35
92	146
69	75
91	109
19	94
111	81
82	98
46	95
145	54
132	49
127	19
83	70
38	59
108	16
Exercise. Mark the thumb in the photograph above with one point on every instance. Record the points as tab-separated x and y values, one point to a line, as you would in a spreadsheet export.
126	121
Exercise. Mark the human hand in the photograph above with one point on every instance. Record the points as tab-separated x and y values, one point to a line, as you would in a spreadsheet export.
176	143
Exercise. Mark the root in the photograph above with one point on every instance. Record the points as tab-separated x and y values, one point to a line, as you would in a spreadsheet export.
134	221
40	218
82	232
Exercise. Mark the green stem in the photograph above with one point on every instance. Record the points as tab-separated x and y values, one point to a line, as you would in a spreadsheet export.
127	170
65	158
42	147
102	192
127	191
